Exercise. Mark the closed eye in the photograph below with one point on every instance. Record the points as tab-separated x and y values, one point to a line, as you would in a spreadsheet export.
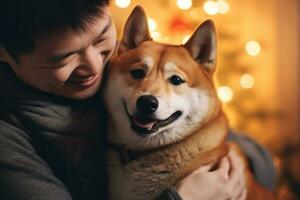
105	53
61	57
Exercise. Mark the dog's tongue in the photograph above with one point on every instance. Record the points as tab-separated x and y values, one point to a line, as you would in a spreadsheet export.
144	123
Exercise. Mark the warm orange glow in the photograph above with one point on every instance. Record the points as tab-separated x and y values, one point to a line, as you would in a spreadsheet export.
195	13
156	36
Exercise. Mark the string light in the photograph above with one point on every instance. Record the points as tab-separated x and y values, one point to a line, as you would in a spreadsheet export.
184	4
210	7
122	3
253	48
225	94
152	24
247	81
223	6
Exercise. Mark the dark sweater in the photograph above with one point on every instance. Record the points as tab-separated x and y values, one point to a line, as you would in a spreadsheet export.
50	147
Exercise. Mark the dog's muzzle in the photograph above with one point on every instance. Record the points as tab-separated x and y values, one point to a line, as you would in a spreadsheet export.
143	122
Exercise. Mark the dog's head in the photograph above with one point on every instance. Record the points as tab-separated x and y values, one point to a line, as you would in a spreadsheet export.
158	94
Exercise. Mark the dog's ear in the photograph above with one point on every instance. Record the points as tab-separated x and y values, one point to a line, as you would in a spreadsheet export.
136	30
202	45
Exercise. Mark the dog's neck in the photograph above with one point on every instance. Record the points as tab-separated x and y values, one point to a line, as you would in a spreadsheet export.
209	138
126	154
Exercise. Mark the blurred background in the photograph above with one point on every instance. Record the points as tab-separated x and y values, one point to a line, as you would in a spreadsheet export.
258	67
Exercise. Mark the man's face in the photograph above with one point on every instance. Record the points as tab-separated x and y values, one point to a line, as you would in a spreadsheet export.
69	63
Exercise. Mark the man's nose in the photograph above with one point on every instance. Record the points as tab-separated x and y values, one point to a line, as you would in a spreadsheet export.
91	61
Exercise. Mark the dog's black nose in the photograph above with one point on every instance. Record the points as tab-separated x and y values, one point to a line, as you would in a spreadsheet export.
147	104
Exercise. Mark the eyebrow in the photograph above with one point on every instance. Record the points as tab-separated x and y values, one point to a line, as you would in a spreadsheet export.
58	57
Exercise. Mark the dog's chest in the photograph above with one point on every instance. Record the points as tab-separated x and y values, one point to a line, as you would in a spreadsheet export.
143	178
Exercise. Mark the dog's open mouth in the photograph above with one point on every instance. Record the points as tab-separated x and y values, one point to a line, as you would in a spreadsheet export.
144	125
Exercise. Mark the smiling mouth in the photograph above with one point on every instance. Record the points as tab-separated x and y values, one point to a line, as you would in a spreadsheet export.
85	82
145	125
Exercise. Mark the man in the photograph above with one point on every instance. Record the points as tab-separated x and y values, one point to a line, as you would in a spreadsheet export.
52	126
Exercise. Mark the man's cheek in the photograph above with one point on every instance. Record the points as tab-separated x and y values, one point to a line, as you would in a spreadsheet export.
59	77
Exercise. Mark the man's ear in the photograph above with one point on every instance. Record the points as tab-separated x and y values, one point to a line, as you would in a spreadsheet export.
4	55
7	58
136	30
203	45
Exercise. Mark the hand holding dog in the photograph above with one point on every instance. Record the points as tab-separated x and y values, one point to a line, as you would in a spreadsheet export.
225	182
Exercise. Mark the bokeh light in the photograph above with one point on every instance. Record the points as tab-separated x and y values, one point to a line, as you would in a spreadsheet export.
247	81
184	4
253	48
152	24
185	39
210	7
122	3
225	94
223	6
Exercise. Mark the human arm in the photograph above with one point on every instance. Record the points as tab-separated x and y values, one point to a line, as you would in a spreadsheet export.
224	182
259	159
23	174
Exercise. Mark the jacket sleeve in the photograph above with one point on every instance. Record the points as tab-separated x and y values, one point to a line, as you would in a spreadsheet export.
260	159
23	174
169	194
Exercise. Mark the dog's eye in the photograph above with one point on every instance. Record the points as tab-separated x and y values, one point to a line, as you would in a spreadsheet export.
176	80
137	73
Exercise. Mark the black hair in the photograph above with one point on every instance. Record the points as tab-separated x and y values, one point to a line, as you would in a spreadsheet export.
23	21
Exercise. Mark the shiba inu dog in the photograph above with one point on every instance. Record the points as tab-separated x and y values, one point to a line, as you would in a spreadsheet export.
165	117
